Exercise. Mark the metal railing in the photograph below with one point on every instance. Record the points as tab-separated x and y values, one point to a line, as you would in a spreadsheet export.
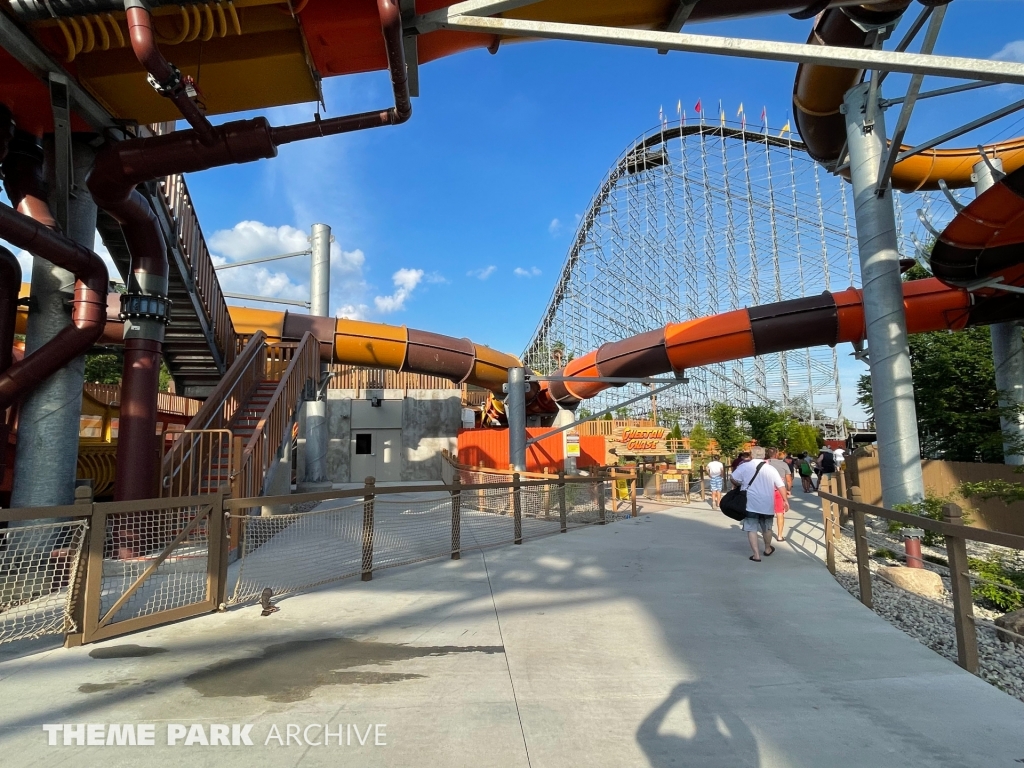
956	536
293	365
364	530
178	204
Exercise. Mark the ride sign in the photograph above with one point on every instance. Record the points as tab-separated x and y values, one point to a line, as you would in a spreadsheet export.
639	441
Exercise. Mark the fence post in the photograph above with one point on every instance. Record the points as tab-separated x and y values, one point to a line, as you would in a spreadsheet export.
960	582
632	494
561	502
686	486
600	503
547	495
368	529
830	543
517	508
456	519
83	497
861	540
657	484
844	513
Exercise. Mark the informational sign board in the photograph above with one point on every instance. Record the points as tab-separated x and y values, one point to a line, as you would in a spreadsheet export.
684	460
639	441
572	445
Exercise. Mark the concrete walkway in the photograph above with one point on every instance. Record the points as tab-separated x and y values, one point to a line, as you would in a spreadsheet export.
647	642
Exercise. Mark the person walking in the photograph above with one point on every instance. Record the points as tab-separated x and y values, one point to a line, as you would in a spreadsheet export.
716	476
806	472
790	461
760	480
781	497
826	465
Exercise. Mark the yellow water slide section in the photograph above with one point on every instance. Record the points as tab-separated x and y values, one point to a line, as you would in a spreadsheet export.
377	345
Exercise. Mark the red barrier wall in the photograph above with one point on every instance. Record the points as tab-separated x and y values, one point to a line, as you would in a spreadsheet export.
490	446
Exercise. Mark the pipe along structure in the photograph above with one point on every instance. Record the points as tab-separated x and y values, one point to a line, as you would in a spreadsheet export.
119	168
974	261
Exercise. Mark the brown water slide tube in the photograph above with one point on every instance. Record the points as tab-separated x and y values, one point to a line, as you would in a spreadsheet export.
818	94
828	319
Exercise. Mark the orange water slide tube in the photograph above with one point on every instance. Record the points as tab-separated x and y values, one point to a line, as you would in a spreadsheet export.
818	95
828	319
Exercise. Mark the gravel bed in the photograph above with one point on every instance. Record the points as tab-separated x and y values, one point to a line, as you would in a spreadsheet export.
1001	664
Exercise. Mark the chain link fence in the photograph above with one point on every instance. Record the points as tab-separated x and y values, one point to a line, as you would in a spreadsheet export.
39	573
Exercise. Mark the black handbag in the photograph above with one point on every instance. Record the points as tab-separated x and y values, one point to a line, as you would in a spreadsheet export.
734	503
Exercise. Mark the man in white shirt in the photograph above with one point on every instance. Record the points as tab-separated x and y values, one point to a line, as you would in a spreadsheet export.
760	480
840	457
716	472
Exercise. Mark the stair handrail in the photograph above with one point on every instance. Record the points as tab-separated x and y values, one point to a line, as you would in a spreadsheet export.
235	387
216	412
178	203
279	414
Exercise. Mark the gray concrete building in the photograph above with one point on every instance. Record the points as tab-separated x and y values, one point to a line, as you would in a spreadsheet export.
391	434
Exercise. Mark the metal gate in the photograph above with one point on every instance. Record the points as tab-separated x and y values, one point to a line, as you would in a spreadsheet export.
151	562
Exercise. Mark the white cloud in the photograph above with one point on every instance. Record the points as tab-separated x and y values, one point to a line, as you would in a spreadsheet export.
405	281
1011	52
436	278
288	278
555	227
531	272
482	274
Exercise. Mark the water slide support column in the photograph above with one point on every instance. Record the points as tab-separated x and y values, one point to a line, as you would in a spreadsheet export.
515	407
48	422
892	385
1007	344
316	406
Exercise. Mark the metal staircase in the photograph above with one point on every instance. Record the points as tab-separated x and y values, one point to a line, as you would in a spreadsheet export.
236	436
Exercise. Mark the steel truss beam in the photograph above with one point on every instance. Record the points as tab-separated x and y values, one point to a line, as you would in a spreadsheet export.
853	58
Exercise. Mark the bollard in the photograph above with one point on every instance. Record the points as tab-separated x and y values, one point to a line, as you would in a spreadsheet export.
657	485
456	519
861	541
632	495
368	529
963	601
912	545
561	502
547	494
601	516
517	509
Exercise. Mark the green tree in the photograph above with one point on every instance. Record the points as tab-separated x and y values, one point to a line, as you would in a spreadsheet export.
768	425
803	438
104	368
725	428
699	439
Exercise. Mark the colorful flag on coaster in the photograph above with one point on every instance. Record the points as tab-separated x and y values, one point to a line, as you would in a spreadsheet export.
697	108
764	118
785	130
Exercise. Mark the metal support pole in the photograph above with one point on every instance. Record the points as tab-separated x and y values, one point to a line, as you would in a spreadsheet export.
562	528
320	271
316	442
456	519
891	380
47	453
1007	346
517	508
515	407
368	497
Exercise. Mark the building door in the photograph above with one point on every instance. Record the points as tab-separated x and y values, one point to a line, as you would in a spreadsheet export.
377	453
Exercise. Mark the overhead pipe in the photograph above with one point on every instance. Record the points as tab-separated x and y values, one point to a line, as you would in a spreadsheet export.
164	76
88	314
120	167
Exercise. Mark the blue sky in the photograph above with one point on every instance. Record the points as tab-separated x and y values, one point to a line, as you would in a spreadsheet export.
498	148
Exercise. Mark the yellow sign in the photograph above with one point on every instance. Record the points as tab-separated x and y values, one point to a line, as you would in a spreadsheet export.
639	441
